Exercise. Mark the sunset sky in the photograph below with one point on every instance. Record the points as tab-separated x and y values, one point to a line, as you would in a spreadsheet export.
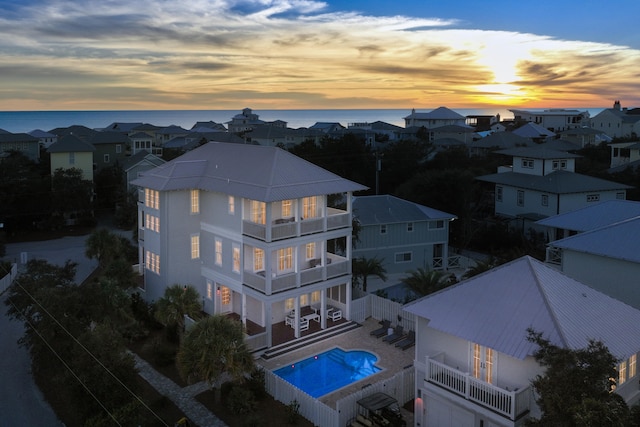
305	54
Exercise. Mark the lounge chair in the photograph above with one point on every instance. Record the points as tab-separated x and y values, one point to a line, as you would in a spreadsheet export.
386	324
408	341
397	335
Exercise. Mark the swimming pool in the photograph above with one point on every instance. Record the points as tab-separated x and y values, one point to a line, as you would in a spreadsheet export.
326	372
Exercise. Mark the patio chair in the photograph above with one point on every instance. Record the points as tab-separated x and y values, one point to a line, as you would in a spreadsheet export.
382	330
408	341
397	335
335	315
304	324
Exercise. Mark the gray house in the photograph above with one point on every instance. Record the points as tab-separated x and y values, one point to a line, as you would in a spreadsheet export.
405	235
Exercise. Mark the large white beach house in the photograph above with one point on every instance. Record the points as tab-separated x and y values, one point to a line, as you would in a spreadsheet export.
258	231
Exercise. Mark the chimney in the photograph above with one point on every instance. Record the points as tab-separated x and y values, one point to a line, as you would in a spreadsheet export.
616	105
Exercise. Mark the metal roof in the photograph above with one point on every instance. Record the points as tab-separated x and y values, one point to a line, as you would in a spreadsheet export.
496	308
533	130
387	209
620	240
538	152
70	143
501	140
594	216
440	113
559	182
251	171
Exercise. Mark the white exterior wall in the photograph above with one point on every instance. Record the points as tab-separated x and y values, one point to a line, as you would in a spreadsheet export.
573	201
532	203
614	277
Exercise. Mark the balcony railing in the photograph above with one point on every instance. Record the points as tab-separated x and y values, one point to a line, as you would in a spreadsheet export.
285	228
336	267
509	403
554	256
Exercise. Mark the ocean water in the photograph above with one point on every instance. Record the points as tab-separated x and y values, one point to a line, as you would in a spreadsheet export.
26	121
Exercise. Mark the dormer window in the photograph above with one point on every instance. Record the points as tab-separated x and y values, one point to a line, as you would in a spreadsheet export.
559	164
527	163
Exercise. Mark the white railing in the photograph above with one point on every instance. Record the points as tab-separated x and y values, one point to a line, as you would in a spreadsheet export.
255	342
437	263
289	229
337	220
554	255
505	402
8	277
311	225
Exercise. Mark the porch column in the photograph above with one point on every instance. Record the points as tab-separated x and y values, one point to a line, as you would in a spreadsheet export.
243	310
296	306
349	292
269	323
323	309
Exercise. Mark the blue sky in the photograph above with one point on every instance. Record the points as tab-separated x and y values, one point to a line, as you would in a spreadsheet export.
297	54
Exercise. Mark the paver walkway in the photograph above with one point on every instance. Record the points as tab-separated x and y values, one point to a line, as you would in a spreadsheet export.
182	397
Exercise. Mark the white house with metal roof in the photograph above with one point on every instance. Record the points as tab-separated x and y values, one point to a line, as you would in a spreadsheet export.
403	234
441	116
253	228
554	119
542	182
474	364
617	121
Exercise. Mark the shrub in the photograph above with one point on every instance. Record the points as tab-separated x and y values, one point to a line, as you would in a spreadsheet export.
255	383
293	411
241	400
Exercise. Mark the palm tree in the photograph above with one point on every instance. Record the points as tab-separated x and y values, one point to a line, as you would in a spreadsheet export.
424	282
104	246
481	267
365	267
177	302
212	347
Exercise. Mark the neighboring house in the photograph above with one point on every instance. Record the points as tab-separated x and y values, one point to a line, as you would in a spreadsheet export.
624	153
149	129
133	166
277	136
441	116
555	119
497	141
534	131
125	128
403	235
142	141
211	125
584	136
617	122
72	152
327	127
606	258
542	183
252	228
387	130
244	121
45	138
82	132
473	362
166	134
20	142
482	122
464	134
111	148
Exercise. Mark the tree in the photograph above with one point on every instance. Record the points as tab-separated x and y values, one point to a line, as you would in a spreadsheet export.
423	282
575	389
212	347
177	302
71	194
365	267
104	246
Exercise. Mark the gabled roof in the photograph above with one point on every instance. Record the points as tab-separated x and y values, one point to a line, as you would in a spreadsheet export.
39	133
560	145
618	240
496	308
558	182
501	140
387	209
453	129
17	137
142	156
122	126
440	113
533	130
251	171
538	152
108	137
80	131
70	143
594	216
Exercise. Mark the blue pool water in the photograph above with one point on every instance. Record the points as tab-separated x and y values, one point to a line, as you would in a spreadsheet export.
329	371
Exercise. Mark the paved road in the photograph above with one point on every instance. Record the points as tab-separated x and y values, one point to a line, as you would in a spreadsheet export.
21	402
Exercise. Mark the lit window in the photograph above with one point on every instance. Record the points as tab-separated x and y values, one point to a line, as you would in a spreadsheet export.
218	252
236	259
225	295
232	205
258	212
209	290
304	300
622	372
315	296
195	201
632	366
195	246
289	304
286	208
285	259
310	250
258	259
151	198
309	207
152	262
152	223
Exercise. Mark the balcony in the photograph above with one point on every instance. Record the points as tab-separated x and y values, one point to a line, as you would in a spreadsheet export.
509	403
335	267
286	228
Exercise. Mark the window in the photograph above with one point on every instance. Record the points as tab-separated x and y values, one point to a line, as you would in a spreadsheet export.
289	304
559	164
218	252
152	223
383	229
236	259
310	250
152	262
632	366
209	290
309	207
520	198
195	246
315	296
106	158
436	225
225	295
545	200
258	212
151	198
622	372
409	227
258	259
527	163
118	148
403	257
620	195
195	201
72	158
498	194
593	197
482	363
285	259
232	205
286	208
304	300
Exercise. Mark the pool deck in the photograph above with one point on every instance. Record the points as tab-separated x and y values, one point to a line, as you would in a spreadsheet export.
390	358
